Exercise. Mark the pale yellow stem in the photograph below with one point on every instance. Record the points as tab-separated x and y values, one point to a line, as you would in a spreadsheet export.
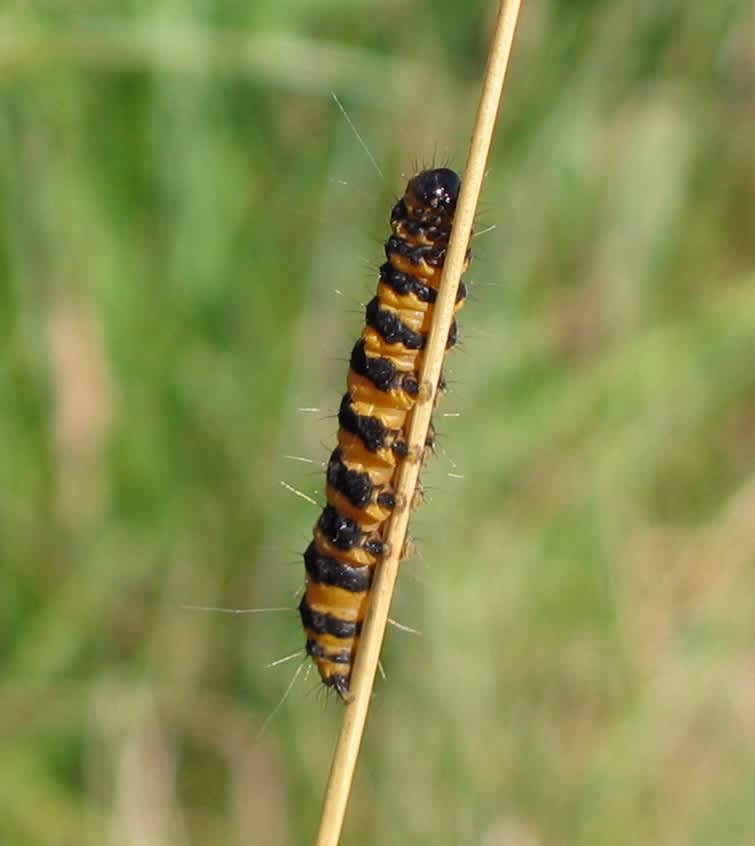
365	666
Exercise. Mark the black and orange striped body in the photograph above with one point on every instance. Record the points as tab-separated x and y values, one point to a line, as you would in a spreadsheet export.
383	385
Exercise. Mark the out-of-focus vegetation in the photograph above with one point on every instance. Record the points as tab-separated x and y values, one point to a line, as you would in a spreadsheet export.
189	228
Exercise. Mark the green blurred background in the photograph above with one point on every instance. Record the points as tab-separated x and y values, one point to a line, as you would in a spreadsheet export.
189	228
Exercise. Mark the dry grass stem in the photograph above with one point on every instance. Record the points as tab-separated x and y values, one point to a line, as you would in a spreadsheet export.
355	714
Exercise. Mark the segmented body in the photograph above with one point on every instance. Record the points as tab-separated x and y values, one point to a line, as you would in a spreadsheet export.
383	385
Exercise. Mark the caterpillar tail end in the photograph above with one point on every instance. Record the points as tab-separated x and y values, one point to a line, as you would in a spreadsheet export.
341	686
338	681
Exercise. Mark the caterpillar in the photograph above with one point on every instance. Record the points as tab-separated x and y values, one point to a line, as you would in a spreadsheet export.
382	389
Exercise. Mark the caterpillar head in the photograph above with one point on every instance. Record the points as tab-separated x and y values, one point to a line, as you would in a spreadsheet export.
437	189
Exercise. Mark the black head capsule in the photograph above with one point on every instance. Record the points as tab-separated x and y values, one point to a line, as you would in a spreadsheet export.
437	188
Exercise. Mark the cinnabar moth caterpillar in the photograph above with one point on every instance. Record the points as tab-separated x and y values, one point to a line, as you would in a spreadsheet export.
383	385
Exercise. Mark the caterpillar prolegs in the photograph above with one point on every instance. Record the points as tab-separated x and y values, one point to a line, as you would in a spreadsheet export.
383	385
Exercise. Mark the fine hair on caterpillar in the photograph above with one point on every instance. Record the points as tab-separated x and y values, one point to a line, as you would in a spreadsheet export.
383	387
